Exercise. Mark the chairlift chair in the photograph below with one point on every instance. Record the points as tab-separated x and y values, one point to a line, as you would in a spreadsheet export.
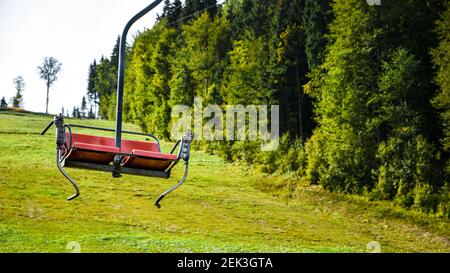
117	155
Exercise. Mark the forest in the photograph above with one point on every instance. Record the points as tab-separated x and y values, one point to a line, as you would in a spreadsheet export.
363	90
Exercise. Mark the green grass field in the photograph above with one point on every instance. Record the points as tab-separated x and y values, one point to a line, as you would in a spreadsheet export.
221	208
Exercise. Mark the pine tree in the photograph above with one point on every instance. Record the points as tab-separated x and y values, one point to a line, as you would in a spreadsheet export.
166	9
342	152
190	8
204	53
441	58
404	151
172	12
175	13
92	93
148	101
102	83
211	6
74	112
3	103
257	17
414	34
106	85
296	107
115	55
19	84
91	114
245	78
316	17
177	9
232	11
83	108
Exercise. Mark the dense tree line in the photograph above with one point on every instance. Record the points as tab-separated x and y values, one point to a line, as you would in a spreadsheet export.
363	90
102	84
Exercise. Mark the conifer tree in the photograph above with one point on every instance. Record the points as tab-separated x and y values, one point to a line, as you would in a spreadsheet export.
83	109
3	103
316	17
19	84
441	58
344	87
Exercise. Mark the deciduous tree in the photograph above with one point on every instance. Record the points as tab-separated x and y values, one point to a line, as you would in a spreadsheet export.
48	72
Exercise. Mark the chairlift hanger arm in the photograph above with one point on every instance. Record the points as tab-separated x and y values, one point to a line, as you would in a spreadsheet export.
184	154
58	121
61	169
174	187
121	71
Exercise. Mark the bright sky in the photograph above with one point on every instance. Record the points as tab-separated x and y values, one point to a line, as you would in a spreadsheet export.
73	31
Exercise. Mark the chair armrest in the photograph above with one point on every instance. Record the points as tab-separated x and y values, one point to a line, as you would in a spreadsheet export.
176	145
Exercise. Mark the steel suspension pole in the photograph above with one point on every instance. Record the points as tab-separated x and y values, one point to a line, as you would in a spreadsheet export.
121	72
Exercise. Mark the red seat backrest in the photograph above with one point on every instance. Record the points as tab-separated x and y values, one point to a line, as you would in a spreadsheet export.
129	145
88	139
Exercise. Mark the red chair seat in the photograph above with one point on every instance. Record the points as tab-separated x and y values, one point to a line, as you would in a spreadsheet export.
141	159
94	147
155	155
101	150
91	149
128	146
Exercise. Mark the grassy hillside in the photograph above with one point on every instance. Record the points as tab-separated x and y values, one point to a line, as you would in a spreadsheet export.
221	208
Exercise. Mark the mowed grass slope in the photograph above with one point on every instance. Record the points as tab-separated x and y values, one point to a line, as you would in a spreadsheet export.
221	208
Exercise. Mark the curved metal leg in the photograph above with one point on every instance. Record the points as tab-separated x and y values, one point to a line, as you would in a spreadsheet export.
174	187
58	162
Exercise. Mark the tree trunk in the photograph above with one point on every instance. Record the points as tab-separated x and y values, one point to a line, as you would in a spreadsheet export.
300	102
46	104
